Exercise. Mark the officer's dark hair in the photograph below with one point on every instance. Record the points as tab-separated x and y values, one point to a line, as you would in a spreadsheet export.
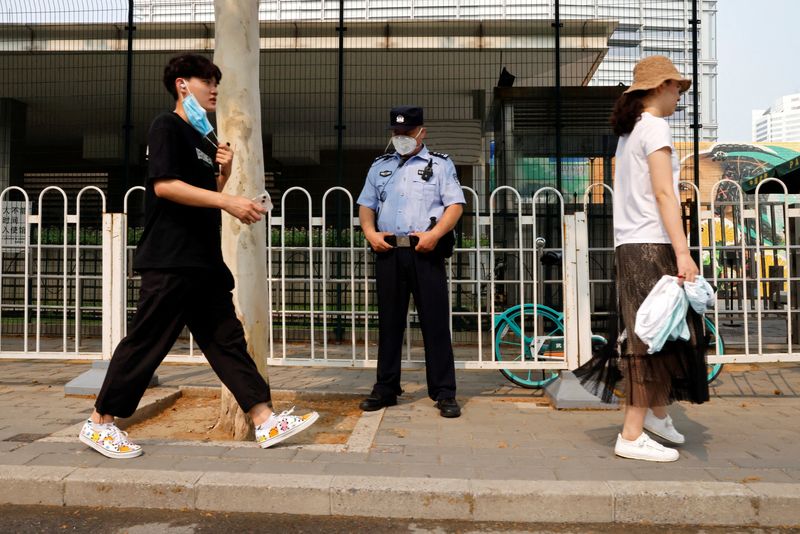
189	66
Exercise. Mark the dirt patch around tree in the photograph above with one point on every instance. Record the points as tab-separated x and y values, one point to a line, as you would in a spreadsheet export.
194	414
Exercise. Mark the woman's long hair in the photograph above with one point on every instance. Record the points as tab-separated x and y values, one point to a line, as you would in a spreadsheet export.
627	110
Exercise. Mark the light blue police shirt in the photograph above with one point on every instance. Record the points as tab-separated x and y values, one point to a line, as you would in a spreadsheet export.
403	200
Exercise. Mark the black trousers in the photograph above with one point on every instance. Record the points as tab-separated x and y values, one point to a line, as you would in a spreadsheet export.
401	272
169	300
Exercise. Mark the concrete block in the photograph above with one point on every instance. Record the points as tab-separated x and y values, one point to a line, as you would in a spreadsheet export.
778	504
534	501
21	484
567	393
131	488
264	493
690	503
411	498
90	382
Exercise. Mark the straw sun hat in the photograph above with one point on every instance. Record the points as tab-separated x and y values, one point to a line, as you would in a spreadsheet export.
652	71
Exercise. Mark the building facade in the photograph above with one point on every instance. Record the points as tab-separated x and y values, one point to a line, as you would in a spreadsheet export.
74	104
644	28
780	123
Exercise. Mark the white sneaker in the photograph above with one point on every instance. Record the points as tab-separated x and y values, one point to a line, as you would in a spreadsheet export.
109	440
644	448
281	426
663	428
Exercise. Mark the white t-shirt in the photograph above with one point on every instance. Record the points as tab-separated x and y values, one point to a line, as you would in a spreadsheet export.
636	216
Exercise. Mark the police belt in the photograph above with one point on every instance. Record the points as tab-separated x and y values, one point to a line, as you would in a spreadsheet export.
402	241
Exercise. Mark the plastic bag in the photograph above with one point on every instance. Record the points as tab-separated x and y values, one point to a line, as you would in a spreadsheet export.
700	294
662	315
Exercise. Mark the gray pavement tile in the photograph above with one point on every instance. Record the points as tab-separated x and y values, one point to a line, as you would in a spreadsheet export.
349	457
794	474
733	474
520	472
679	473
383	440
480	459
569	451
213	451
303	455
55	447
432	450
390	449
402	458
7	446
201	464
776	462
687	460
91	459
10	432
609	473
393	419
364	469
145	461
288	468
437	471
17	457
257	453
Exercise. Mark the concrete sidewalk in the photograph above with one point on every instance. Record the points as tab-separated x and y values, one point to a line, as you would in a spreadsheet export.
509	457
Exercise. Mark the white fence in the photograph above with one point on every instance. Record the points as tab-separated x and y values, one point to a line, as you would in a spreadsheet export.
506	305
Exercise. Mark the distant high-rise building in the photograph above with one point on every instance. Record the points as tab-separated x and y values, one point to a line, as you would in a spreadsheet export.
779	123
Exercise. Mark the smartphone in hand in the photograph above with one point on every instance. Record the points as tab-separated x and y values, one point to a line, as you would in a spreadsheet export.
263	201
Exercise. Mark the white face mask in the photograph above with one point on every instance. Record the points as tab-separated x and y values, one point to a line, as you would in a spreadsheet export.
404	144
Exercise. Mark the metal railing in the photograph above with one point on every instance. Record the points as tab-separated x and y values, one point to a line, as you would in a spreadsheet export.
321	283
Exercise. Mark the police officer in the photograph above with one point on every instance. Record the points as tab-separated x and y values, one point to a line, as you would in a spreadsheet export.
408	208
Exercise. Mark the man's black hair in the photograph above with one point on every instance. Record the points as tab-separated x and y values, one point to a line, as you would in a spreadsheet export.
188	66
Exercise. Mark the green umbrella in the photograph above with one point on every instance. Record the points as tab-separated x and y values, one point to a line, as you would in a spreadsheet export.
788	172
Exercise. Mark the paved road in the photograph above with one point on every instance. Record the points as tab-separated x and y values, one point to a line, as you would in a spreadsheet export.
36	519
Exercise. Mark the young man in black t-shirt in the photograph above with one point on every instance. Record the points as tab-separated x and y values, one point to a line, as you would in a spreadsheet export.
184	279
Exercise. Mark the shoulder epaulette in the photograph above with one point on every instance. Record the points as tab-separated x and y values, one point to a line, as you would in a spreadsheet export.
383	156
439	154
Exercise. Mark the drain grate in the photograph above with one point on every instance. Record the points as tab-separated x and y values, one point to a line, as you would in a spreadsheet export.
26	438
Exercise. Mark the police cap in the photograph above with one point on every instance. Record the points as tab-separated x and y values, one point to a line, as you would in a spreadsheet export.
405	117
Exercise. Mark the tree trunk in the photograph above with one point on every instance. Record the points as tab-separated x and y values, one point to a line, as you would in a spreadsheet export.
236	52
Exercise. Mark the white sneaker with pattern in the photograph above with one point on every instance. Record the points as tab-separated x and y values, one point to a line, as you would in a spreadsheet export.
281	426
644	448
663	428
109	440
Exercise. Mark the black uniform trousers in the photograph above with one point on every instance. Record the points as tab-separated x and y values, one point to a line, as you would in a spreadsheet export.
169	300
401	272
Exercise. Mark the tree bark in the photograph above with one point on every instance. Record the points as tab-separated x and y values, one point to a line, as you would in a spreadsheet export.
236	52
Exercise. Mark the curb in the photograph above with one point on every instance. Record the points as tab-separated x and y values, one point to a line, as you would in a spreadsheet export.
571	502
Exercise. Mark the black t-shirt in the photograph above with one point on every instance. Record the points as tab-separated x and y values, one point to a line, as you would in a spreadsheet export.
178	236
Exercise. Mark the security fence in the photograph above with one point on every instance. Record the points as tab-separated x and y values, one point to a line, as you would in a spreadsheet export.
516	91
538	300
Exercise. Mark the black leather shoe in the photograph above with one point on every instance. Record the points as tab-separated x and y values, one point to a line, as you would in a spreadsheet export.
372	403
449	408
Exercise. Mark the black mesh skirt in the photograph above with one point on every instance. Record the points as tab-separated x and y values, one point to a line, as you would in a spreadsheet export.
677	372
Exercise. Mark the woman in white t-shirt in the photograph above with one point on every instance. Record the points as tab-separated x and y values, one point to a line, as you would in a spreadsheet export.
650	242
